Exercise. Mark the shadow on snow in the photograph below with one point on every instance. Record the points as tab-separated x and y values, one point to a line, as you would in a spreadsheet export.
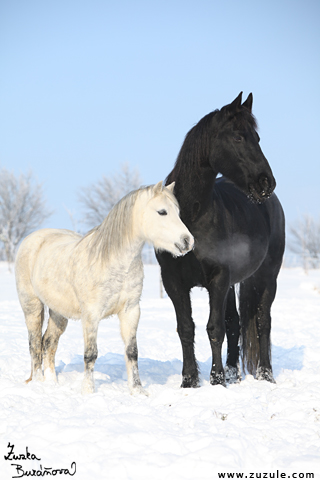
158	372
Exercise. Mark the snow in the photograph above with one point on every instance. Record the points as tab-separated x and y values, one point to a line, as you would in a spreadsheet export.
173	433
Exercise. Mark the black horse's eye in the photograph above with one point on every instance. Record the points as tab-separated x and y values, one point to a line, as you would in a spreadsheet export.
237	138
163	212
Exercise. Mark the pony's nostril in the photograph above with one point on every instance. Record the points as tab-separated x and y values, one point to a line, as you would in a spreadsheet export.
186	242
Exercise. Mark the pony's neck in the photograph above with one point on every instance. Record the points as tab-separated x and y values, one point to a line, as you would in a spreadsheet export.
117	236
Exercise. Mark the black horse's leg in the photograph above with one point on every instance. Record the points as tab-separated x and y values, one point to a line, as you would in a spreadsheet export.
267	292
232	368
218	290
256	296
179	292
185	328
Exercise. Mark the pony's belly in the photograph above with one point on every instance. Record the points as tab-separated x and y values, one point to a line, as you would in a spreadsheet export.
61	300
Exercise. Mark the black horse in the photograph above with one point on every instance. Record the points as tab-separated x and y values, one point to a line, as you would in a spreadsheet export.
238	226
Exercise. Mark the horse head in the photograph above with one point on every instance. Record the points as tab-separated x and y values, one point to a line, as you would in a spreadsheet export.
235	151
161	223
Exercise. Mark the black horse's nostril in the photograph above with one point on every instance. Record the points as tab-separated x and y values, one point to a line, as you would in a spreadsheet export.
264	183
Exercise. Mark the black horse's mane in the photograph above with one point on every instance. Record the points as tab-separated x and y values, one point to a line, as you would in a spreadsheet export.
195	150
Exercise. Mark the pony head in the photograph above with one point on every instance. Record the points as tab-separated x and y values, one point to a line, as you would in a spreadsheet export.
161	223
235	151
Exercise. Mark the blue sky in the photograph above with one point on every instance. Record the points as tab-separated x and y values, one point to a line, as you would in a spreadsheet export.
88	85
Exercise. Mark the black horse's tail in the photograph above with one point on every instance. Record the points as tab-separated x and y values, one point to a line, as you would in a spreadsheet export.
249	340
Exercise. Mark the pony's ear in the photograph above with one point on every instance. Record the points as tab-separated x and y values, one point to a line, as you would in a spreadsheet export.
158	188
248	103
171	186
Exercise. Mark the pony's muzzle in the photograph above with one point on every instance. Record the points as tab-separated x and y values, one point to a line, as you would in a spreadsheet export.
186	244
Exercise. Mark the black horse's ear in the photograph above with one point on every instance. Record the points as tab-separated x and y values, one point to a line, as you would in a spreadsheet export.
248	103
232	107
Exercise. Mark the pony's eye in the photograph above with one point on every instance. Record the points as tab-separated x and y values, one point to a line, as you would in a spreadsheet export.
162	212
237	138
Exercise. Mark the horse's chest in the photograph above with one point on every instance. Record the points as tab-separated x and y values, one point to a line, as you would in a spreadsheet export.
241	252
122	290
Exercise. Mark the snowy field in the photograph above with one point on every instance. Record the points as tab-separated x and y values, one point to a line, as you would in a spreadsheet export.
174	434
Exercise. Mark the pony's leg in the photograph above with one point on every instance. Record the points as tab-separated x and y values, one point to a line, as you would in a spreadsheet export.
232	368
256	296
129	319
218	289
90	332
34	315
56	326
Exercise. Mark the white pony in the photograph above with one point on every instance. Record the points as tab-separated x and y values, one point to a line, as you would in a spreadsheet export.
95	276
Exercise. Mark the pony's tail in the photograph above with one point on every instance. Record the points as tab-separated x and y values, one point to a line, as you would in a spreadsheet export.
249	340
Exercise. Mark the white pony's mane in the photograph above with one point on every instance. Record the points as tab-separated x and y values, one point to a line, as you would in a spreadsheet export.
116	231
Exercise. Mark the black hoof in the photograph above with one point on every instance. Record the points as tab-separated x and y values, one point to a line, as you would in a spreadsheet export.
217	379
264	373
190	382
232	374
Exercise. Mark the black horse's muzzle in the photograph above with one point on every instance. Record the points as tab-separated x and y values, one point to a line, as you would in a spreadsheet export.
262	190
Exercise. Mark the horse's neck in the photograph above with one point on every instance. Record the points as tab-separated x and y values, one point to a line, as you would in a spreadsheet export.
130	250
120	252
127	257
194	192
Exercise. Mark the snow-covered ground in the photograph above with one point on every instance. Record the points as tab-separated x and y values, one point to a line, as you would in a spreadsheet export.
174	433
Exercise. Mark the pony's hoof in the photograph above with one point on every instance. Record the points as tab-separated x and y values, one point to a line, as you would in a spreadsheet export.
217	379
87	388
50	376
264	373
37	376
232	374
189	381
138	390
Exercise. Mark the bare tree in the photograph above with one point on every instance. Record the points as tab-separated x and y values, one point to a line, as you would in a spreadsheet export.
22	209
98	199
305	241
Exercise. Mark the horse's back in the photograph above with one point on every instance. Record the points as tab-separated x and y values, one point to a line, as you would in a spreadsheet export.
42	241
